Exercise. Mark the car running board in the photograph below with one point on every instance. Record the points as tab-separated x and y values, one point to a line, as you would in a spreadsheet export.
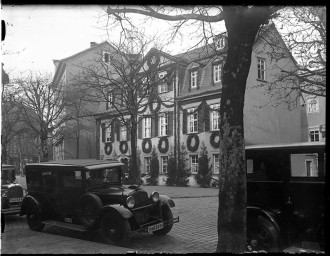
65	225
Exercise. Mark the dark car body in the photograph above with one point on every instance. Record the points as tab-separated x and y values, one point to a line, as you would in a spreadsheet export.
82	192
11	192
286	194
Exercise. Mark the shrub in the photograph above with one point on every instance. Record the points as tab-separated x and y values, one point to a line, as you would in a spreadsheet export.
204	173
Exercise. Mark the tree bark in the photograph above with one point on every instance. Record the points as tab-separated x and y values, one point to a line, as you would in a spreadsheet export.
241	29
133	172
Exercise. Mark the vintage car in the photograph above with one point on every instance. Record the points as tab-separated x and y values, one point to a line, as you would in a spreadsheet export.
88	195
11	192
286	196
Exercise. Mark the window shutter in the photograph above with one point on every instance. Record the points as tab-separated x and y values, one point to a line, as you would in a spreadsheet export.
140	128
207	119
199	78
156	125
170	123
103	132
118	130
128	131
153	133
184	122
200	120
113	131
107	104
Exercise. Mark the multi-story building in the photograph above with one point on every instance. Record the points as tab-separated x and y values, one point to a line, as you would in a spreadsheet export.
193	85
77	139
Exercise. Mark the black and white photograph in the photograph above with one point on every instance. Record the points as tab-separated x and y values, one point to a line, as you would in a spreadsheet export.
148	129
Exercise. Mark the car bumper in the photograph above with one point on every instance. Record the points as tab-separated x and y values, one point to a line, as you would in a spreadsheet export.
11	210
145	227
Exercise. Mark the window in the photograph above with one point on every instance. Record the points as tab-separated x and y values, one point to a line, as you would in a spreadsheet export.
314	134
216	163
193	78
163	88
106	57
192	120
215	117
217	68
107	132
49	178
261	69
72	179
147	161
163	124
147	127
313	105
123	133
164	161
110	98
220	43
194	164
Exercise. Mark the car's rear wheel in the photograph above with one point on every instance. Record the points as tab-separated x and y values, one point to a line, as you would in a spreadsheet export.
262	235
33	217
167	215
89	206
115	229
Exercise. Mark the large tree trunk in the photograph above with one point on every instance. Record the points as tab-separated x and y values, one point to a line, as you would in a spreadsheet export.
134	174
242	28
44	148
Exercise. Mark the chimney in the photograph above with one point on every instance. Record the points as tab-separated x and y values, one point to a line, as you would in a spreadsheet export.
93	44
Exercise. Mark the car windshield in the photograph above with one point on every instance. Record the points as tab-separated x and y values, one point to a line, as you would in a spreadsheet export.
7	177
101	176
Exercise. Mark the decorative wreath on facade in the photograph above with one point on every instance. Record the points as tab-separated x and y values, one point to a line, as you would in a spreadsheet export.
213	135
189	139
160	143
108	148
145	149
123	147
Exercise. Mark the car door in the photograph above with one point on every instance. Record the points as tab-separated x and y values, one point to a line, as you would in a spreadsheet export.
71	188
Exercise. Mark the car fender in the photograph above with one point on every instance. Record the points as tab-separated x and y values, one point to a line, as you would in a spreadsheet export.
268	213
28	199
163	199
124	212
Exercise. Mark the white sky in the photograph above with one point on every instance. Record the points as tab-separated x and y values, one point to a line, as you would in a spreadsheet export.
38	34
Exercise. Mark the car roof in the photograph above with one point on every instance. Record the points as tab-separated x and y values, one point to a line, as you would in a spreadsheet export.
297	145
7	166
86	163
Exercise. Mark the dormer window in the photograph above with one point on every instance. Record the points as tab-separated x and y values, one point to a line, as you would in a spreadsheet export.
220	43
193	78
107	57
217	70
161	75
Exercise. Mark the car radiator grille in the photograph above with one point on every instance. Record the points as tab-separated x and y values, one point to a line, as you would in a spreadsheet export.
15	192
141	197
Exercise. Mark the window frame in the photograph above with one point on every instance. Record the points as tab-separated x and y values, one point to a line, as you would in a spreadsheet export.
214	163
193	165
123	131
104	53
261	69
107	132
316	133
163	164
110	98
146	127
313	105
163	125
192	119
147	162
215	115
193	78
217	73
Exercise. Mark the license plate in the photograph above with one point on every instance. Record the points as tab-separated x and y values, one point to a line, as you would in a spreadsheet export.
155	227
15	200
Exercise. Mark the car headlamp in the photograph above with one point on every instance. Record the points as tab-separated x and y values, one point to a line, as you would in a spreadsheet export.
154	196
4	193
130	202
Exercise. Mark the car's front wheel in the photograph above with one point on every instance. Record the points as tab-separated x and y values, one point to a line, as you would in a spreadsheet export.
262	235
115	229
33	217
167	215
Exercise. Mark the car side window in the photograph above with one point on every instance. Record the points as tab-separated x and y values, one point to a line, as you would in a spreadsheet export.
33	178
71	179
49	178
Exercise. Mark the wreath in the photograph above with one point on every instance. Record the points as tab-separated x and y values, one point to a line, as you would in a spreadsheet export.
144	142
212	139
108	148
160	143
189	139
123	147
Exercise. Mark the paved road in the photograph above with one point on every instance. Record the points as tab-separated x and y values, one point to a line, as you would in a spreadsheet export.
195	233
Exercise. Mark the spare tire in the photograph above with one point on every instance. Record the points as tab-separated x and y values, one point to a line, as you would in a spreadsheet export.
88	208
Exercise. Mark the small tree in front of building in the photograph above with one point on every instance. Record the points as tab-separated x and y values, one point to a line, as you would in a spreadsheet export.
154	168
183	171
171	169
204	173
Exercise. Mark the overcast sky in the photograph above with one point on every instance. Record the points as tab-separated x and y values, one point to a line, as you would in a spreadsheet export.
38	34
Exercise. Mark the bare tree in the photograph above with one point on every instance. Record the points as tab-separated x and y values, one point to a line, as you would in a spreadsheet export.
42	106
126	85
242	24
303	30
